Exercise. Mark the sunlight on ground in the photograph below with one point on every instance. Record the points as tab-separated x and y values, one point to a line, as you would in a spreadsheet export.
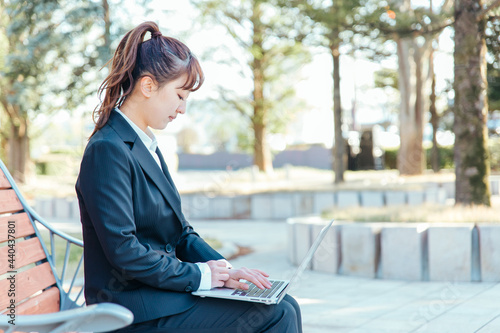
422	213
306	301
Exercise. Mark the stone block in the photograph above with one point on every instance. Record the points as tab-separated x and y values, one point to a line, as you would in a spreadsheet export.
415	198
449	189
45	207
347	199
402	250
489	248
323	201
75	209
282	205
450	251
300	235
62	208
241	207
495	185
186	205
435	195
395	198
261	206
290	228
372	199
302	241
442	196
327	256
220	207
303	203
360	248
199	207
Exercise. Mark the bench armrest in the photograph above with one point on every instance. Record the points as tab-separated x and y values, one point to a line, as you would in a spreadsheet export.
93	318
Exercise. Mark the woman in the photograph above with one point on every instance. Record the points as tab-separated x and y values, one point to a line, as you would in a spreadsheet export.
140	251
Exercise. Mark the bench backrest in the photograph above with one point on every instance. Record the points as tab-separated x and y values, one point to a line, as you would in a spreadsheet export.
28	274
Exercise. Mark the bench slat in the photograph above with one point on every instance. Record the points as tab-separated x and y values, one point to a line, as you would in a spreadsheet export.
22	228
27	283
26	252
9	202
4	183
46	302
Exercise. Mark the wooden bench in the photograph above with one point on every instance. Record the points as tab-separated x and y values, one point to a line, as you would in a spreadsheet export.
40	291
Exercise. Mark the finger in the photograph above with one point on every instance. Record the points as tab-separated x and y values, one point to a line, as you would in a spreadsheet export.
223	277
261	272
265	282
262	279
248	275
219	270
218	284
234	284
258	279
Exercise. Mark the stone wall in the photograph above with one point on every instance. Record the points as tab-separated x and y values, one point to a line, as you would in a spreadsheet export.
277	205
459	252
269	205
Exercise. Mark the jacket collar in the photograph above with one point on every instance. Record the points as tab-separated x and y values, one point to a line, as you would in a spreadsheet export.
161	179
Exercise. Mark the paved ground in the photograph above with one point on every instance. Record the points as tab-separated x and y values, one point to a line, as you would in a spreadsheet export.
333	303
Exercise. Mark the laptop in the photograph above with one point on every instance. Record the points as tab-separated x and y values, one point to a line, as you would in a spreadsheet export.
279	288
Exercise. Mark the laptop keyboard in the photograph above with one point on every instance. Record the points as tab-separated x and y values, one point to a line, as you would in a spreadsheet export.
254	291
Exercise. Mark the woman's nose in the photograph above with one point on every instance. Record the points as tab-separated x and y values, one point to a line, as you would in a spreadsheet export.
182	108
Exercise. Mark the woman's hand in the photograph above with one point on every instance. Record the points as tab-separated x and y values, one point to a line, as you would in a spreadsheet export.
257	277
219	272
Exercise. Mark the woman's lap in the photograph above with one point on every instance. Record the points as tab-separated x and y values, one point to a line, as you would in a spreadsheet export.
227	316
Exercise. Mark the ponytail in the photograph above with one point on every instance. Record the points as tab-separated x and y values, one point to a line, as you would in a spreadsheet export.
164	58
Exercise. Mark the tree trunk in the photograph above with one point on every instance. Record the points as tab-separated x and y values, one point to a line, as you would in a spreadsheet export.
434	119
408	155
262	153
107	52
472	163
413	87
18	151
107	24
338	148
17	141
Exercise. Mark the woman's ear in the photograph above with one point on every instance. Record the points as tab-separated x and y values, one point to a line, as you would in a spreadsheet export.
147	86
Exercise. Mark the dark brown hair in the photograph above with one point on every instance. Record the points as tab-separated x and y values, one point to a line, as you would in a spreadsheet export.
163	58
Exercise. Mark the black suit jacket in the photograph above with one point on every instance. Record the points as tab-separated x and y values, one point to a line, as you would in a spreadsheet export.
139	250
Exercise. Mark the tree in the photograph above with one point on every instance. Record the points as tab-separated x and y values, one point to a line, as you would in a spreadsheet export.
35	72
53	51
414	78
493	58
472	163
413	30
31	38
263	33
334	21
414	38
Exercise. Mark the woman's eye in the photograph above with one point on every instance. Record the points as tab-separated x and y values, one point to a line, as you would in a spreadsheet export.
180	97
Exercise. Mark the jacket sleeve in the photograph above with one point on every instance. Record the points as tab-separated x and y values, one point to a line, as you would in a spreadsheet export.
192	248
105	186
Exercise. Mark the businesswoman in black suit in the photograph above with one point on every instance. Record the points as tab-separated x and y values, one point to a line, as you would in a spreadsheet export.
139	250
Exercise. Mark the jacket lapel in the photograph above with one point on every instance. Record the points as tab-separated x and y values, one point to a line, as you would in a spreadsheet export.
147	162
167	173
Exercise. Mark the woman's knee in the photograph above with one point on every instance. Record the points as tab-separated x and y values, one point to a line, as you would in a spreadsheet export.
287	310
292	301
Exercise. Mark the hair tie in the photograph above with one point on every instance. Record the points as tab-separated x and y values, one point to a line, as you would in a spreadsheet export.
156	34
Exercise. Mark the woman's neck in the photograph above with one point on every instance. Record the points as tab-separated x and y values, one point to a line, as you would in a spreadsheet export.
133	111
